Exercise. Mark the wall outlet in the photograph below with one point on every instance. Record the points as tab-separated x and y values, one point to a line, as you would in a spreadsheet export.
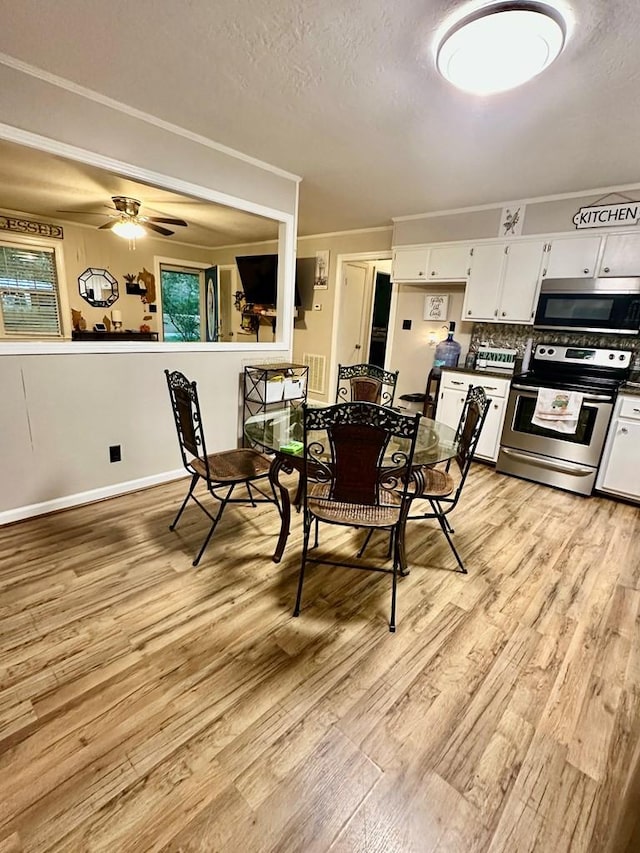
406	324
115	453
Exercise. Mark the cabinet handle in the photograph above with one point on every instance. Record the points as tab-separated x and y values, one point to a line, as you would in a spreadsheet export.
607	269
490	387
469	311
495	313
495	406
433	272
504	313
585	271
420	272
636	410
455	382
544	272
624	430
469	271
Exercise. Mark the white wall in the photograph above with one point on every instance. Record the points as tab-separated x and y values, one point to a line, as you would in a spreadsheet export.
412	350
63	406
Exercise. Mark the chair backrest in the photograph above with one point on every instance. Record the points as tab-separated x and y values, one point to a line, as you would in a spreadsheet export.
186	413
431	393
362	452
366	383
474	413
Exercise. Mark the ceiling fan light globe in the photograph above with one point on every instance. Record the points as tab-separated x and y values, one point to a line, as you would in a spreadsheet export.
128	230
498	47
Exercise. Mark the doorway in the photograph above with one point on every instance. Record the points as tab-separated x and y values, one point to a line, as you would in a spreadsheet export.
380	318
353	320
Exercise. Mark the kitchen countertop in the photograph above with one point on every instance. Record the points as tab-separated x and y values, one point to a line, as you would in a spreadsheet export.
482	371
632	386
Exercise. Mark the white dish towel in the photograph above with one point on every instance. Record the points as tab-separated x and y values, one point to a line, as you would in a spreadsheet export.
557	410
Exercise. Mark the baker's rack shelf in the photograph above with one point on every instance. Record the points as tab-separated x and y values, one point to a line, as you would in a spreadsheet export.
268	386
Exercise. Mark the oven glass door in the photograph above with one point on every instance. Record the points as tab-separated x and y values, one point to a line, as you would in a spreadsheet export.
584	446
524	409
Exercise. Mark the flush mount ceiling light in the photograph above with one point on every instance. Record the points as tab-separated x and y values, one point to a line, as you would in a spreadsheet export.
500	46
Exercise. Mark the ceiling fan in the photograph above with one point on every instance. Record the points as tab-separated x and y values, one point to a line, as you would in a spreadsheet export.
126	220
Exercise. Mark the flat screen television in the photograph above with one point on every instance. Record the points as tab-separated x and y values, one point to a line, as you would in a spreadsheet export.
259	278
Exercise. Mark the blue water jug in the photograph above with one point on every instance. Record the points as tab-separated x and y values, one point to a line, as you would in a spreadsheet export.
447	352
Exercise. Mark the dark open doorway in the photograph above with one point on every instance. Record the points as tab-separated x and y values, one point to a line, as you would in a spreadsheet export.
380	320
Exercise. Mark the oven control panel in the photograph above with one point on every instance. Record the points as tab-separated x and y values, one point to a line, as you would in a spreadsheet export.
592	356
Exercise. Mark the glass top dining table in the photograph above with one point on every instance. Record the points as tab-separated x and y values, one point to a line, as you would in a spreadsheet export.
280	431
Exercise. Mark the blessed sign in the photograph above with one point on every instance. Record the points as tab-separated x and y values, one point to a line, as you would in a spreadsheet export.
600	216
27	226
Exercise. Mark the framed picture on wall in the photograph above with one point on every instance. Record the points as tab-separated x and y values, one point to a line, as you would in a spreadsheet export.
436	306
321	277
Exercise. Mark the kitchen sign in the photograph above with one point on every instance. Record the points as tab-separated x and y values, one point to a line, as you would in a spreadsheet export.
599	216
436	306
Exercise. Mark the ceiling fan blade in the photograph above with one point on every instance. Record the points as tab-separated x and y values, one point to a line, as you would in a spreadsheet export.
106	225
83	212
167	220
158	229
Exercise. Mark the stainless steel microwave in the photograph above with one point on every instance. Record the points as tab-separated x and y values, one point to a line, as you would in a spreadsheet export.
590	305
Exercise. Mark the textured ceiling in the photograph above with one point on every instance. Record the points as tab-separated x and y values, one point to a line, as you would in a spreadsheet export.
346	95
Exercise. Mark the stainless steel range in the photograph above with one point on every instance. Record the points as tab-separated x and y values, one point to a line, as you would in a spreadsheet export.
565	460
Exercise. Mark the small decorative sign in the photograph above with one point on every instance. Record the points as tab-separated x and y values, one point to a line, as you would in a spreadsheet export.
436	306
27	226
321	276
511	220
601	215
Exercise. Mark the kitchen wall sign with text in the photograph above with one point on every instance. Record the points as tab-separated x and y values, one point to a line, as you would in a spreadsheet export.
599	216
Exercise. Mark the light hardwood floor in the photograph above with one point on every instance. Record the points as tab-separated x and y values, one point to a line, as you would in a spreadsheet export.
147	705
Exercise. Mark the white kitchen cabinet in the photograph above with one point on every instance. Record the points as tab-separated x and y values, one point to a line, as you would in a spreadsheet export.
504	282
619	472
574	257
482	292
521	281
410	264
621	255
449	262
454	386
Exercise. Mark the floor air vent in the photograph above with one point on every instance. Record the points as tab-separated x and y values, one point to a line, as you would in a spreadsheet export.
316	365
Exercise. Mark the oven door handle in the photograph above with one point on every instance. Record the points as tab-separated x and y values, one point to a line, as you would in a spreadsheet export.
588	398
551	464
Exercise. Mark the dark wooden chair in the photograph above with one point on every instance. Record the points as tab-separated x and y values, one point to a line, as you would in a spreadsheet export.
429	398
366	383
438	487
220	472
354	476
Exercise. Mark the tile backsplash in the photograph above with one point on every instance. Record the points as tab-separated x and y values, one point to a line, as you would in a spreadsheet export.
516	337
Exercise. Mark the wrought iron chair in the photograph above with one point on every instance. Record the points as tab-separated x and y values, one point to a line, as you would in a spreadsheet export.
221	471
357	466
438	487
366	383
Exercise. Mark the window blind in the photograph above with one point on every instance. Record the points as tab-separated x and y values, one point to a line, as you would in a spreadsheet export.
29	291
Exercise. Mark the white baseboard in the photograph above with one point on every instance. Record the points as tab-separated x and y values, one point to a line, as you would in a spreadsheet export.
22	512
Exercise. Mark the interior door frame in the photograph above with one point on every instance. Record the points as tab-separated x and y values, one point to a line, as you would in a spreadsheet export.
352	257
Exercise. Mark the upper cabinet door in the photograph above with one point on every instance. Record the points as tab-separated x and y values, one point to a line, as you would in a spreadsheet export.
483	285
449	262
410	264
521	281
574	257
621	255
